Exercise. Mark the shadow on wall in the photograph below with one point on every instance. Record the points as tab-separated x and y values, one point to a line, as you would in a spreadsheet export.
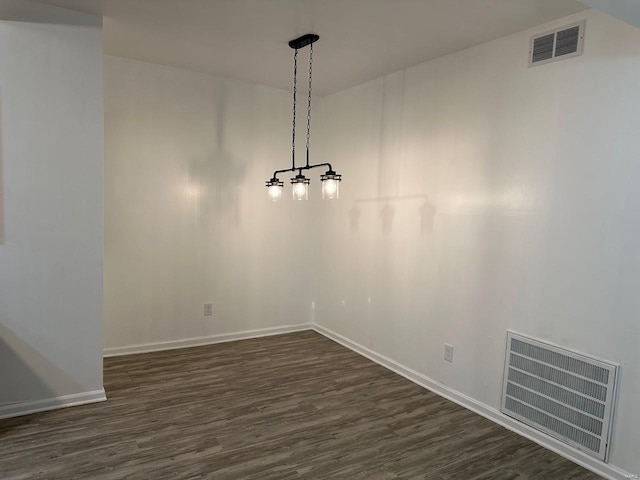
390	137
1	180
215	178
24	371
34	12
426	212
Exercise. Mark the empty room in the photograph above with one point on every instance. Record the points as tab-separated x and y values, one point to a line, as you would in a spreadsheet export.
319	239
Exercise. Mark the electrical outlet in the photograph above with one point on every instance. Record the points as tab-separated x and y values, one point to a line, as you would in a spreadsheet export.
208	309
448	352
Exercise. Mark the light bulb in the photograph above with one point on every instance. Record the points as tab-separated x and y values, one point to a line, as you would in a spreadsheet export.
300	191
275	192
329	188
330	184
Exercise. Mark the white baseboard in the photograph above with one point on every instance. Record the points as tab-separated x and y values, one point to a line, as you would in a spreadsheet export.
603	469
208	340
25	408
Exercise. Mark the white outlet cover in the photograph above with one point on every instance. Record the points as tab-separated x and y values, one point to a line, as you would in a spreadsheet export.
208	309
448	352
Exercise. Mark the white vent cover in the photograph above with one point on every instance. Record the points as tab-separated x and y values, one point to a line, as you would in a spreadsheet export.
565	42
562	393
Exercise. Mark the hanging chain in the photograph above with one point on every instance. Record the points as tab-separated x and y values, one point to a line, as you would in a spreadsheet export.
295	89
309	100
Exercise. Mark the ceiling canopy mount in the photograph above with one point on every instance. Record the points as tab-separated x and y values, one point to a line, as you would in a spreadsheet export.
303	41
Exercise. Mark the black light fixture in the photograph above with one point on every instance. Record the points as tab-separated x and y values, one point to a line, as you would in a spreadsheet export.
300	184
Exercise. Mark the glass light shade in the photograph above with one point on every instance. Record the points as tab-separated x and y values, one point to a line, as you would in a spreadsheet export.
274	188
300	191
275	192
300	188
330	189
330	185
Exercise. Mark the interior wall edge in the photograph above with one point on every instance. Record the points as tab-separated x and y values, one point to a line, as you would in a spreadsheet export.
54	403
607	471
204	340
51	211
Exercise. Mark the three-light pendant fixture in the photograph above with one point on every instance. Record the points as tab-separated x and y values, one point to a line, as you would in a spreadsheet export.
330	180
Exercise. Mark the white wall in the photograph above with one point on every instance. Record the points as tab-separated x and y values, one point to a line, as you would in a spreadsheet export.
51	229
481	195
187	219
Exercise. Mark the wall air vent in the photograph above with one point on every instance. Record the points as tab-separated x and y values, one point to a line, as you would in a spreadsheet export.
561	393
565	42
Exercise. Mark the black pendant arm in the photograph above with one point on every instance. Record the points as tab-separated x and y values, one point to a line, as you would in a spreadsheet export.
307	167
321	165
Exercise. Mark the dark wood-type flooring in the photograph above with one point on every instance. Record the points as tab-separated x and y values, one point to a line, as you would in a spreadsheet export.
285	407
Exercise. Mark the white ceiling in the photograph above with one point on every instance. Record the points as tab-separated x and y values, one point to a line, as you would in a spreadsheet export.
359	39
627	10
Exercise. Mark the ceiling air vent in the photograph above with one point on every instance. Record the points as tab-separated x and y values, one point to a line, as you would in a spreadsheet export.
562	393
565	42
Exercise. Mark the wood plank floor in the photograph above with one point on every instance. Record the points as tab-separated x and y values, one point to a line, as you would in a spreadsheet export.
287	407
